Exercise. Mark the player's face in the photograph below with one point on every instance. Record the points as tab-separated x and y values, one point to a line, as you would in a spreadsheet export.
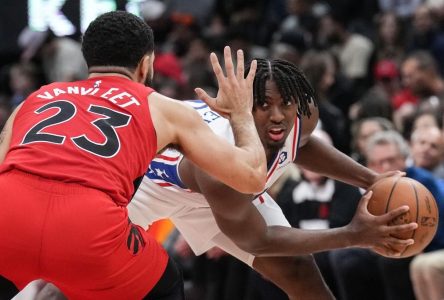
274	119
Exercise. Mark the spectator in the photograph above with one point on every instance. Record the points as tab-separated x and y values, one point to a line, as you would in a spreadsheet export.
364	129
426	35
377	101
389	38
421	76
353	50
320	70
427	145
24	79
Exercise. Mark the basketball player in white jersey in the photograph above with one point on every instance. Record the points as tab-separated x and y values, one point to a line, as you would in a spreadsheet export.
253	227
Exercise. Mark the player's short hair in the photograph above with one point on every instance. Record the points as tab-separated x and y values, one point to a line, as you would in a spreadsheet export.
291	82
117	38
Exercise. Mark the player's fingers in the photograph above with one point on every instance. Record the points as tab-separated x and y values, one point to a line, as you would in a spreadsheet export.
251	73
240	65
395	243
229	66
201	94
396	229
217	69
394	213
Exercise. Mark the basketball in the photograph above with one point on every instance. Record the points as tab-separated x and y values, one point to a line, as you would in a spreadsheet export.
392	192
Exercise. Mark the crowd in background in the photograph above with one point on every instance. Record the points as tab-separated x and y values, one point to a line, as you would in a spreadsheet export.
377	68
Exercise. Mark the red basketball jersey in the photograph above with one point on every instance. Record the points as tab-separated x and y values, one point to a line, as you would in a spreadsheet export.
96	132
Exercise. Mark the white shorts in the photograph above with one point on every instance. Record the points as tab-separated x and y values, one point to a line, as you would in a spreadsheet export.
192	216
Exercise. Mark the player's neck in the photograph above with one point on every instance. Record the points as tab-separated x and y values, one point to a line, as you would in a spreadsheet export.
110	71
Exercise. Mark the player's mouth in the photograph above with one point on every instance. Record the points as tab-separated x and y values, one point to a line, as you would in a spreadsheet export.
276	134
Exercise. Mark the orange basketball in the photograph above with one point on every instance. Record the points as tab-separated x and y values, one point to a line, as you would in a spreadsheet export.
392	192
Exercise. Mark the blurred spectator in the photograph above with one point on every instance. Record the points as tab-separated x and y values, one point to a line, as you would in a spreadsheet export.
420	75
23	80
289	46
427	274
404	9
390	38
427	119
320	70
169	79
377	101
61	57
427	36
214	275
353	50
427	146
302	18
200	10
5	110
362	130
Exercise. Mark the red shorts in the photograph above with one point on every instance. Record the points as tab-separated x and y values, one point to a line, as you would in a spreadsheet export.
75	237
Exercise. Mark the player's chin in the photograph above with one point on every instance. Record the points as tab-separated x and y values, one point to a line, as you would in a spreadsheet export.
273	144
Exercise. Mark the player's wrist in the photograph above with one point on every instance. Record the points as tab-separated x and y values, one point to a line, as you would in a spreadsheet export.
241	116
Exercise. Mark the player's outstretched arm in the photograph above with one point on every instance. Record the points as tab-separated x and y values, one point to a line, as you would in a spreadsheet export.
240	220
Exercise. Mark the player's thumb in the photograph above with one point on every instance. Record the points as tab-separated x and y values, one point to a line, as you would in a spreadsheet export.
201	94
365	200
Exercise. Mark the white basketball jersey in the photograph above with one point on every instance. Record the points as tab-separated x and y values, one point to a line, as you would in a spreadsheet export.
164	171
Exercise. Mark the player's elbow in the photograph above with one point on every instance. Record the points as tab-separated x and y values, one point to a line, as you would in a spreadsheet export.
254	247
254	183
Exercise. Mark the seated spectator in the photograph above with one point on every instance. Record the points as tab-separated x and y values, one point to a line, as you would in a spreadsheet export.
427	145
377	101
362	130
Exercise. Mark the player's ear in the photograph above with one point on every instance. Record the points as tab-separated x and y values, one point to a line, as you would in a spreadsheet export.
143	68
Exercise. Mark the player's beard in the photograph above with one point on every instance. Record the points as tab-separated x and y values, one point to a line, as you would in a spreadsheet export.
149	78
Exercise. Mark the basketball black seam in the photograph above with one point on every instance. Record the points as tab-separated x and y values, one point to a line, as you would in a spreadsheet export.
390	196
417	216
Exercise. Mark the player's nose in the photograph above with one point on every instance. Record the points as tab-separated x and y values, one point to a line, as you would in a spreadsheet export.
276	114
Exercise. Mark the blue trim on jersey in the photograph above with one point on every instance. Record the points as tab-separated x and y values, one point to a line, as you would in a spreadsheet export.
200	107
165	172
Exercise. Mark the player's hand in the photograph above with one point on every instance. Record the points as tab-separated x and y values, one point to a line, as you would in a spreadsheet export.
369	231
235	94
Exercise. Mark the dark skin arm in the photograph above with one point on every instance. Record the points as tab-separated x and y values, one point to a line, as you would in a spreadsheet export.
239	219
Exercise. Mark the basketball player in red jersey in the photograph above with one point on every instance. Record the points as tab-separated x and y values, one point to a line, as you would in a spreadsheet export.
73	153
